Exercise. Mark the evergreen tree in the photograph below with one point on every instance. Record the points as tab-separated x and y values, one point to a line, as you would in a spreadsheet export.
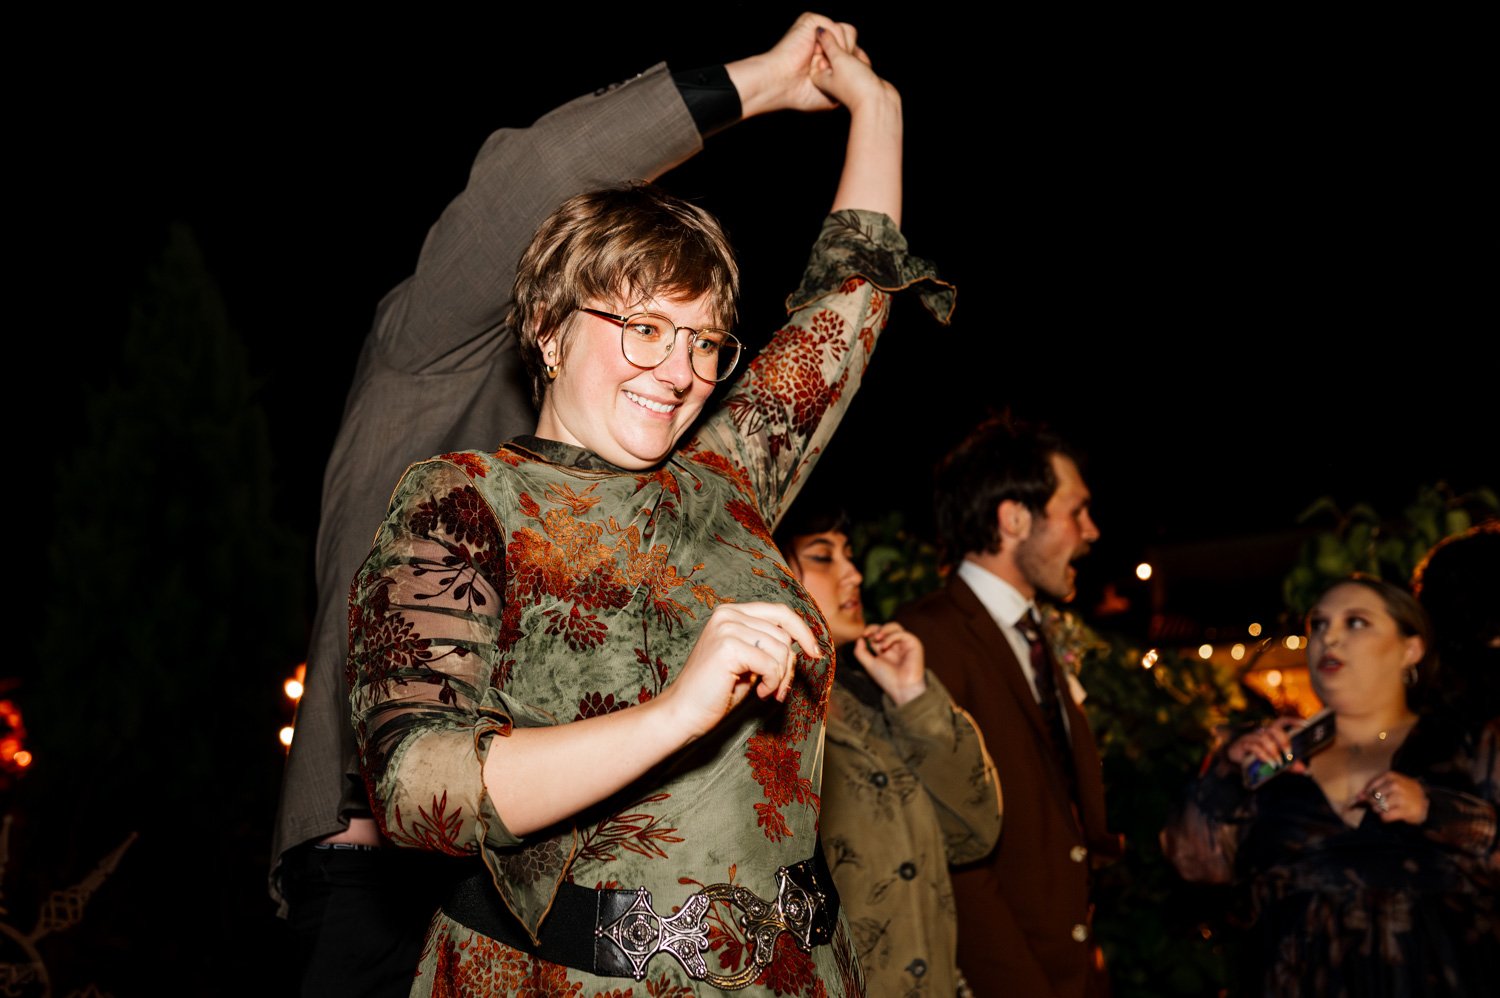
172	614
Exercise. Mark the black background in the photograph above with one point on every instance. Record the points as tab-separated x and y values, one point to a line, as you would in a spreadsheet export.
1243	260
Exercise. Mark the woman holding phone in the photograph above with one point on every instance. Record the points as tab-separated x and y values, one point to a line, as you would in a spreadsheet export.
1373	863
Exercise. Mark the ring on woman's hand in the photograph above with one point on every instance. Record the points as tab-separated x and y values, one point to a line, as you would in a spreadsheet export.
1381	804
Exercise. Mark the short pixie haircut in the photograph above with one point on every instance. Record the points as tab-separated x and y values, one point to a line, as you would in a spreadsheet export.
999	460
619	246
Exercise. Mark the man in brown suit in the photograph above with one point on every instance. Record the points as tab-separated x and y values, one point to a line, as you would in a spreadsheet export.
1013	513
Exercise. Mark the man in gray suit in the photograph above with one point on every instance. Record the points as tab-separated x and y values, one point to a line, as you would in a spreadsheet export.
439	373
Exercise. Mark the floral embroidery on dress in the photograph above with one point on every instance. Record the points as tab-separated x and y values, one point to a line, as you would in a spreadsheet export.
636	831
789	395
472	464
436	828
777	767
538	586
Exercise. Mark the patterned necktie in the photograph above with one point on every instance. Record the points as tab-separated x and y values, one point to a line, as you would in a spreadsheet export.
1047	699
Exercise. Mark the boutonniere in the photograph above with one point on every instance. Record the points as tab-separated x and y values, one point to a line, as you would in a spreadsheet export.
1071	639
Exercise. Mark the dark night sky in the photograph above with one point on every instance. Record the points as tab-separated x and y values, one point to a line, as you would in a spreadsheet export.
1242	263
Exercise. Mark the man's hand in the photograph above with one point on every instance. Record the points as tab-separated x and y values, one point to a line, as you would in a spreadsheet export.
782	78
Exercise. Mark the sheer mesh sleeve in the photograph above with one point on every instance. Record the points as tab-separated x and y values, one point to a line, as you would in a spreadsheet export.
1202	838
1466	822
423	653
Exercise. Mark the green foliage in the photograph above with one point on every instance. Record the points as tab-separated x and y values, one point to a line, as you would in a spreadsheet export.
898	566
1154	726
1361	540
174	603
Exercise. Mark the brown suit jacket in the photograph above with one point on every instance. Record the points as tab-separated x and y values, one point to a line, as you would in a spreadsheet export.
1024	913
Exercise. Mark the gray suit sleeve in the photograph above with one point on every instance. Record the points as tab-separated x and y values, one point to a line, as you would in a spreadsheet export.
445	317
443	320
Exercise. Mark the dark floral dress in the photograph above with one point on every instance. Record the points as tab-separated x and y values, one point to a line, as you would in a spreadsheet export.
539	585
1372	910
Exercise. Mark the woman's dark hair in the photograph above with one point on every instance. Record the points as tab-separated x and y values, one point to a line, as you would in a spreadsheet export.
999	460
1458	584
800	522
1411	620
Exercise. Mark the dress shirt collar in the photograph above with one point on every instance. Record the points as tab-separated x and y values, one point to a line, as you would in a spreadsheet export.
1004	602
1006	606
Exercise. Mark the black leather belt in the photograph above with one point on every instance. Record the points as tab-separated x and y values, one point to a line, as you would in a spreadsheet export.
615	933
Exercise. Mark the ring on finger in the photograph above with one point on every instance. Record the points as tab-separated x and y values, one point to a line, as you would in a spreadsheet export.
1382	803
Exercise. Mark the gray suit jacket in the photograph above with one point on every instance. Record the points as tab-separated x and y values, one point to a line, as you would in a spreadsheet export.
438	373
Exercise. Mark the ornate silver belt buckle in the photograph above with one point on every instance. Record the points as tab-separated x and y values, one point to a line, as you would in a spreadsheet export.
639	933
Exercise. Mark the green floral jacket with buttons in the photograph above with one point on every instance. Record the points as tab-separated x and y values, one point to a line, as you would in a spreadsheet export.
907	790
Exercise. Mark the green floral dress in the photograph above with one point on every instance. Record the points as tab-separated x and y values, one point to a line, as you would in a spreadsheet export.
539	585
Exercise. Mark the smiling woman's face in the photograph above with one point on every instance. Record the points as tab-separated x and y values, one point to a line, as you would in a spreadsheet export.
1356	652
630	416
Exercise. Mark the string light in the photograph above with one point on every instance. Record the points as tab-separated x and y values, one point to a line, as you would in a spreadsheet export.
1143	571
1293	642
1254	630
1205	651
1149	659
13	754
294	687
1273	677
1237	652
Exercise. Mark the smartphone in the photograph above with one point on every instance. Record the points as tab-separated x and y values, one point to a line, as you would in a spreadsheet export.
1314	735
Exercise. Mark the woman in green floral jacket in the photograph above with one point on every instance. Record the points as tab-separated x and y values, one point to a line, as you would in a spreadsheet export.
908	787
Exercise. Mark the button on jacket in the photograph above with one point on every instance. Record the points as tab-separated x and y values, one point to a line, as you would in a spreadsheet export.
1024	912
906	791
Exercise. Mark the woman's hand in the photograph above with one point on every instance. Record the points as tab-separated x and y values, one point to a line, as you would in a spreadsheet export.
1395	797
537	777
894	658
1271	744
842	72
781	78
743	646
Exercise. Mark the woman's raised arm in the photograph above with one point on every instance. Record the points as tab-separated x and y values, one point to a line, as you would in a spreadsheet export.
871	180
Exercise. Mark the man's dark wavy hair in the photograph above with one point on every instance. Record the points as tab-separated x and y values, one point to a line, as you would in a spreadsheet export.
1000	459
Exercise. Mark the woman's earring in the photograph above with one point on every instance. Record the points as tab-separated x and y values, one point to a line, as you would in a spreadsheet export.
1409	677
552	369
